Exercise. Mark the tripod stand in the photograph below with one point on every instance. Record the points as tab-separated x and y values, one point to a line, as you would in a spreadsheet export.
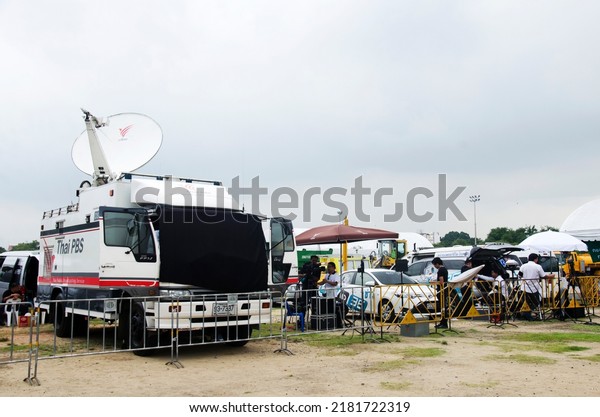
573	282
572	312
359	304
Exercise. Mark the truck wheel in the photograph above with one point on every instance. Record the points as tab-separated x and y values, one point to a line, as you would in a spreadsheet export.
239	332
62	323
132	329
80	325
138	326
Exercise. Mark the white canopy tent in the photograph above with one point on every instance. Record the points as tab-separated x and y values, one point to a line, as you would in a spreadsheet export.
584	222
553	241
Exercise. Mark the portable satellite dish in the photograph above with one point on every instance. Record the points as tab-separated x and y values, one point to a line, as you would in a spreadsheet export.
120	143
465	277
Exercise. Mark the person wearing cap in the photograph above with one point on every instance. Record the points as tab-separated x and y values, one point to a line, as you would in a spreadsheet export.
442	293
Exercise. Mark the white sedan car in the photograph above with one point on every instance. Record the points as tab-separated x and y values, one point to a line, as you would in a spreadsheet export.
385	293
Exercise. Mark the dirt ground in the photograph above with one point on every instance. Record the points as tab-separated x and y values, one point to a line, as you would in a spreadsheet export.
473	361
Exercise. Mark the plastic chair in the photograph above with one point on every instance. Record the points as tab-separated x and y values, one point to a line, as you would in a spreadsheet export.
290	311
10	312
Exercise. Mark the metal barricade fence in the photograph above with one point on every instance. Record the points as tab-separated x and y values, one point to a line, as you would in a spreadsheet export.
405	304
256	314
344	309
141	325
82	327
325	309
428	303
590	286
562	296
498	301
16	316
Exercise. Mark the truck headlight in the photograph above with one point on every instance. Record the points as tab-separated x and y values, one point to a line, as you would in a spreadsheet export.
175	293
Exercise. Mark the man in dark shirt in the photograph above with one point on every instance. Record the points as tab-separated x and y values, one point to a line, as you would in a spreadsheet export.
442	293
14	295
309	276
468	265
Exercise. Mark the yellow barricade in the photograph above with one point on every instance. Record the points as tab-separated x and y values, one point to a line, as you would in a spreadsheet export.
497	301
404	304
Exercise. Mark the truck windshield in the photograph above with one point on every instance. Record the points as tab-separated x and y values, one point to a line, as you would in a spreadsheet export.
130	230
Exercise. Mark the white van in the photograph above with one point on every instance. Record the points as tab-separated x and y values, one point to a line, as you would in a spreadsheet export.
430	253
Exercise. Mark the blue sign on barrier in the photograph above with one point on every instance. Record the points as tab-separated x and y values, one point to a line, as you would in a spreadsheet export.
356	303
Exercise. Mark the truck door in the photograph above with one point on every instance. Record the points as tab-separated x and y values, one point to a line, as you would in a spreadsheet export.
7	272
282	242
128	253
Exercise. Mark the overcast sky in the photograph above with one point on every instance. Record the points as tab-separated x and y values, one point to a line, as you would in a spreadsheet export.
502	97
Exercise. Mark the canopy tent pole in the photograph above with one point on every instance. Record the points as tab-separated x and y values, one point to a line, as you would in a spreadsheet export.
344	251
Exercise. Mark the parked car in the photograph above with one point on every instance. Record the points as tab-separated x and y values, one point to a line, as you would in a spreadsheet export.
384	293
430	253
499	257
20	267
422	271
548	260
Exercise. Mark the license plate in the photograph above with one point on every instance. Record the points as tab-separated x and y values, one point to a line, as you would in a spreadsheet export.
224	309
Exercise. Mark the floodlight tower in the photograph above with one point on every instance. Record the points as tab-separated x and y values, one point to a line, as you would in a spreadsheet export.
474	199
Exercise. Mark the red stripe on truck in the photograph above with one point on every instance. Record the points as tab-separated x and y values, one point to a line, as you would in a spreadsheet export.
96	282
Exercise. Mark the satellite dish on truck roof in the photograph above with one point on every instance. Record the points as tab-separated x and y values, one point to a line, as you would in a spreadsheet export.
128	140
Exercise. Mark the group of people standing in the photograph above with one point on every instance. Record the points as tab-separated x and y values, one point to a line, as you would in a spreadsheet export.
530	275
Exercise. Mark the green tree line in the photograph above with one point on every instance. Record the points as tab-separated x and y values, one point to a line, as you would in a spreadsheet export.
496	235
33	245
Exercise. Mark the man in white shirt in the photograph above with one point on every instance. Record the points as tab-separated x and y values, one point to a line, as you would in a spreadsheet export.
498	281
498	297
530	274
331	282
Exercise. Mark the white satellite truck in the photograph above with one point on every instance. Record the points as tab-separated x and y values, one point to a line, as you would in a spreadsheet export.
146	247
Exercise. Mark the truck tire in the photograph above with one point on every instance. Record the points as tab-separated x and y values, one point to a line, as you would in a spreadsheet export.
239	332
80	324
132	329
62	323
